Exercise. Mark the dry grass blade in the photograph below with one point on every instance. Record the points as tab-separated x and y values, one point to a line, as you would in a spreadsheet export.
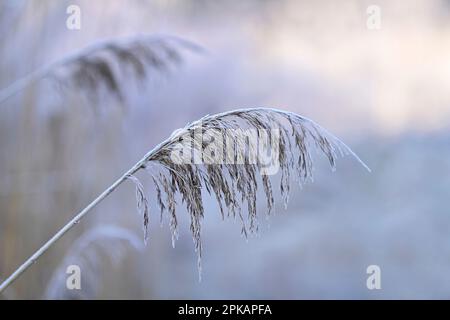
106	64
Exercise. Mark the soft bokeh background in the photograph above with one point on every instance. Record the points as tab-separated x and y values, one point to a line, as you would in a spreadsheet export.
385	92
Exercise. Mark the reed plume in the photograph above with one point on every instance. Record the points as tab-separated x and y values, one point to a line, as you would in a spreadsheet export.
110	242
106	64
188	163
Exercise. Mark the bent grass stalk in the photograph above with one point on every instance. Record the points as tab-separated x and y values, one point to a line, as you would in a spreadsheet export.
231	184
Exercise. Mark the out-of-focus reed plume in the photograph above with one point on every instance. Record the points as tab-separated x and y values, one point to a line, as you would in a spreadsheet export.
89	253
107	65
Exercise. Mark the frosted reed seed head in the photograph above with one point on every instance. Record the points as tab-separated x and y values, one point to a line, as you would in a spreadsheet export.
109	65
87	252
220	154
